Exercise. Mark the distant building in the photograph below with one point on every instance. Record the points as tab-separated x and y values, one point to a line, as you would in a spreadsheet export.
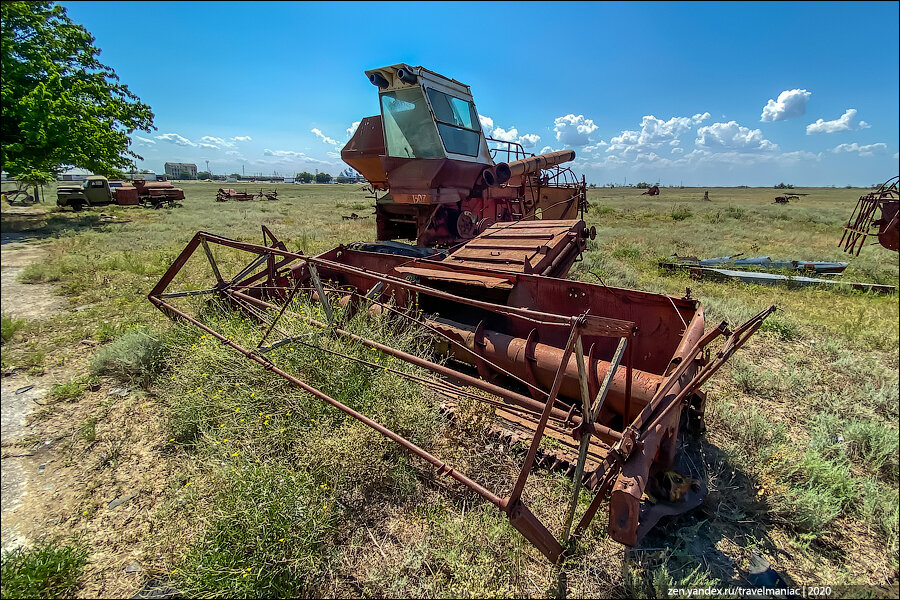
73	174
181	170
145	175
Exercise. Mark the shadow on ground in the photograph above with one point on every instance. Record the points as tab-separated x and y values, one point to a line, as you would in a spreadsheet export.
23	224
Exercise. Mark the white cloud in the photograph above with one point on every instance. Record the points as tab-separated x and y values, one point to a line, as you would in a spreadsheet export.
176	139
507	136
846	122
324	137
573	131
790	104
242	138
677	150
529	140
288	153
487	124
143	140
208	141
731	136
352	129
545	150
868	150
235	153
699	118
653	134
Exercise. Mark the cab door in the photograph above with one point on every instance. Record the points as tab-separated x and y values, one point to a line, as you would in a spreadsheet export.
97	191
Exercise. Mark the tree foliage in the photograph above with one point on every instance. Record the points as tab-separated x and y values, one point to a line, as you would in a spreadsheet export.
60	104
323	177
304	177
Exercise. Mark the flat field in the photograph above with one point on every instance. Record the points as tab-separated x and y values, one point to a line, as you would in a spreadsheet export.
235	485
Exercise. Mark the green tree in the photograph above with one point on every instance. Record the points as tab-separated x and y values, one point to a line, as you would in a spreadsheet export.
60	104
323	177
304	177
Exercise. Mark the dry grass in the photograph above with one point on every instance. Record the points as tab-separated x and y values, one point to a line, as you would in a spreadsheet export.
826	367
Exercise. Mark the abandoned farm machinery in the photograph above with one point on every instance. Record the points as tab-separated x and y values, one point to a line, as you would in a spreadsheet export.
611	377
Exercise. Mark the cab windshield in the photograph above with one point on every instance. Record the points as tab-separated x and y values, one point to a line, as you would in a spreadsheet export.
409	130
457	123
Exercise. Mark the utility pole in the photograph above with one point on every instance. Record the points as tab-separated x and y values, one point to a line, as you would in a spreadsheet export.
207	166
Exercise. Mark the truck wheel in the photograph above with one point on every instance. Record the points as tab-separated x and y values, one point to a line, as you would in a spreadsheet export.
77	206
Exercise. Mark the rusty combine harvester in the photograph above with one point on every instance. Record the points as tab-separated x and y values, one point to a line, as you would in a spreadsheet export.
428	151
863	220
610	376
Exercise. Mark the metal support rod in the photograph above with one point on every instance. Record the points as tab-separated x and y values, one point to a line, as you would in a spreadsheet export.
607	380
323	299
516	493
585	439
212	262
280	313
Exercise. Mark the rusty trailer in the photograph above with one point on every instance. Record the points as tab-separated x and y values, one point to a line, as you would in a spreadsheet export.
613	375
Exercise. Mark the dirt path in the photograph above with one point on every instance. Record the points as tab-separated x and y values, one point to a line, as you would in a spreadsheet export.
21	392
89	469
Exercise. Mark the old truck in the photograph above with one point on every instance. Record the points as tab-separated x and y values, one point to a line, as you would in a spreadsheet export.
97	190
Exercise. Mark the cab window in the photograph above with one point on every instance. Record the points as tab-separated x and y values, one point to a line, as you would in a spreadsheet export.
409	131
457	123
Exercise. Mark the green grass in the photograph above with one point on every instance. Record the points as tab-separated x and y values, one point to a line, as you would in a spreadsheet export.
43	571
66	392
249	455
9	327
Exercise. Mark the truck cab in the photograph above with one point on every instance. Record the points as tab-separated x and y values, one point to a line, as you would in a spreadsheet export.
96	190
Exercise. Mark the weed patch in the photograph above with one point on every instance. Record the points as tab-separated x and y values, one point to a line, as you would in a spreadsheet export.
136	356
44	571
9	327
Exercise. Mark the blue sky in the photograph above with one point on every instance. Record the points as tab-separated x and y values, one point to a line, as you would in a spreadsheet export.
692	93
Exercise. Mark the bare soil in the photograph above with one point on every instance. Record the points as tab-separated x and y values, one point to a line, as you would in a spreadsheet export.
89	470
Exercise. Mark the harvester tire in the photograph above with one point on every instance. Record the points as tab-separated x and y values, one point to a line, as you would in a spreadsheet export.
77	206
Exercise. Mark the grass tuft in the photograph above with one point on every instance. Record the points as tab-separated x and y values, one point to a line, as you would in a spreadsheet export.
136	356
9	327
44	571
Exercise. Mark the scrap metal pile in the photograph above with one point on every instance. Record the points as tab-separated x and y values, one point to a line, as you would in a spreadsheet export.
599	380
226	194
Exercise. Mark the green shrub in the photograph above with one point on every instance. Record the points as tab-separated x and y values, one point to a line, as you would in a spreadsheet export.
137	355
44	571
680	212
66	392
9	327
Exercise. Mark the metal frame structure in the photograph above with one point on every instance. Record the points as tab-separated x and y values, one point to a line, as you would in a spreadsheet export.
265	288
863	219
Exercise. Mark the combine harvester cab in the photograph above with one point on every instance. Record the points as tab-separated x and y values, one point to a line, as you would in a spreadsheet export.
428	150
611	375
